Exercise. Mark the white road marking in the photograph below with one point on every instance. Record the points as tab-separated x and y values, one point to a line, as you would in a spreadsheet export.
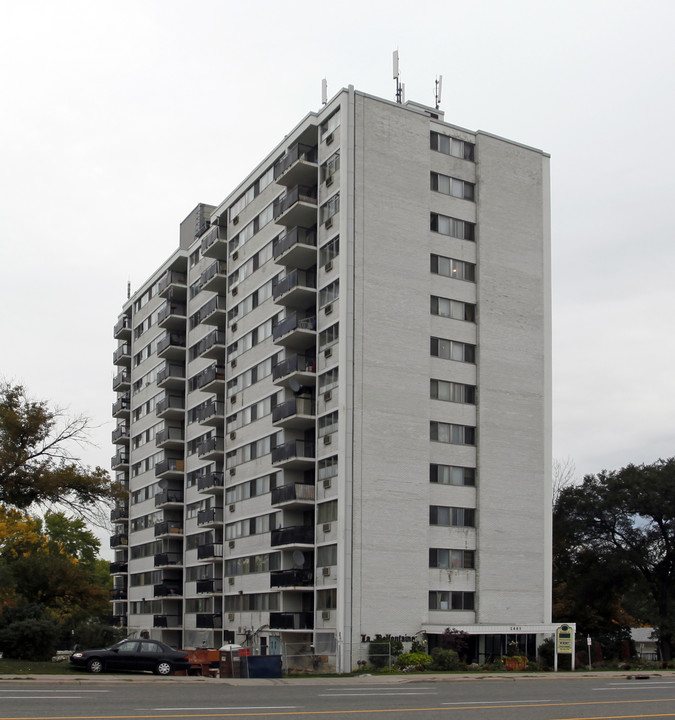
233	707
40	697
496	702
373	694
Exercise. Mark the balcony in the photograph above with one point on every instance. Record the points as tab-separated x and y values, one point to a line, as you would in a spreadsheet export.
174	283
171	347
211	449
210	346
122	356
297	413
119	540
292	620
170	406
122	381
214	278
118	620
210	586
118	594
210	517
296	290
166	589
118	514
118	567
169	498
291	578
171	377
211	379
120	435
170	468
298	368
212	483
169	527
166	621
293	535
293	495
170	437
209	620
214	312
211	551
168	559
212	413
214	242
298	165
122	329
297	248
122	406
120	460
297	330
296	207
294	454
172	316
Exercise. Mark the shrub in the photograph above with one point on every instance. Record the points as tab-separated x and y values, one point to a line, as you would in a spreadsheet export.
416	659
29	639
445	659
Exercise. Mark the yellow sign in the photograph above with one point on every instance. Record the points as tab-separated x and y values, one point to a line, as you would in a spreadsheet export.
564	640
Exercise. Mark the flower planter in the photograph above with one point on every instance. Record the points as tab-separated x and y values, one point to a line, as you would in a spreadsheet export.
515	663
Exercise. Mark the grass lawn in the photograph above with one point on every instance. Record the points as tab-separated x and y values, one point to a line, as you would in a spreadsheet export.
29	667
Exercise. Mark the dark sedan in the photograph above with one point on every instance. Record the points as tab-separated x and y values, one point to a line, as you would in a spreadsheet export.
133	654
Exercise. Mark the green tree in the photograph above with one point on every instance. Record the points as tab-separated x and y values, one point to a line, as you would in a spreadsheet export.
614	537
38	467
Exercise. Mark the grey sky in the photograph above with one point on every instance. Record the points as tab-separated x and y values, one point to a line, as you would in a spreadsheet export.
119	117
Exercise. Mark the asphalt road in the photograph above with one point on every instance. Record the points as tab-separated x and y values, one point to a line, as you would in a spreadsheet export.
137	697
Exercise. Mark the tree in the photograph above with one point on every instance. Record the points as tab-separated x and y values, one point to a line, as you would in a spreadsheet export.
564	474
616	533
38	467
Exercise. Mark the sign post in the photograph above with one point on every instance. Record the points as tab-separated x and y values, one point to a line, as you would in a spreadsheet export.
564	644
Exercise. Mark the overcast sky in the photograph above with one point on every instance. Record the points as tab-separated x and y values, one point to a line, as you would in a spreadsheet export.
119	117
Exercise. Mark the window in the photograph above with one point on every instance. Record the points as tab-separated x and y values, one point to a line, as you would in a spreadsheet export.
330	208
453	392
253	564
328	467
327	512
452	186
451	516
328	380
455	309
326	599
460	229
453	350
449	267
330	250
328	337
445	600
452	146
328	423
329	293
452	475
330	167
452	434
451	559
326	555
331	124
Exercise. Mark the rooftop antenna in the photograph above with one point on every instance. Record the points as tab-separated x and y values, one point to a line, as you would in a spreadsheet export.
439	87
324	91
128	289
400	89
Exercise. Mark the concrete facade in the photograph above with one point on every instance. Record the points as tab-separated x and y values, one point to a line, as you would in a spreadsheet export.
337	405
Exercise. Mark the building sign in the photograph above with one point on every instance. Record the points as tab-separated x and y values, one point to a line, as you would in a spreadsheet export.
564	640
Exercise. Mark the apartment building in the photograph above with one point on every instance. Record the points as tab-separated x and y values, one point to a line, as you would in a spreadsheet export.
333	399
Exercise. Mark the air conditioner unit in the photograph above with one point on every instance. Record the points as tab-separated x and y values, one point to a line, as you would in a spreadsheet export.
233	471
329	138
230	581
233	435
327	396
233	399
329	223
325	571
235	220
234	291
326	527
231	508
328	266
326	483
329	181
230	616
234	327
231	544
325	614
327	440
233	364
235	255
328	353
328	309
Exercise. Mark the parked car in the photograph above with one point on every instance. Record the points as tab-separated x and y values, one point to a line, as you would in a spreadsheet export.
133	654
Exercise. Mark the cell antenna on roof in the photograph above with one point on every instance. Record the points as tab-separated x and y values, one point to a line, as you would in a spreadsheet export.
400	89
439	87
324	91
128	289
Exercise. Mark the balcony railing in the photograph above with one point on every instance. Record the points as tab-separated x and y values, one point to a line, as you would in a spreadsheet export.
291	578
119	458
122	352
219	267
121	431
118	620
122	378
294	491
300	151
171	371
212	409
166	589
294	363
210	481
210	446
210	374
119	513
292	620
210	586
295	236
209	620
169	527
295	406
172	277
293	449
213	339
171	340
168	497
124	323
118	594
169	433
217	304
122	403
294	321
295	279
171	310
210	516
119	540
118	567
300	193
211	237
212	550
170	402
172	465
166	621
297	535
168	558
